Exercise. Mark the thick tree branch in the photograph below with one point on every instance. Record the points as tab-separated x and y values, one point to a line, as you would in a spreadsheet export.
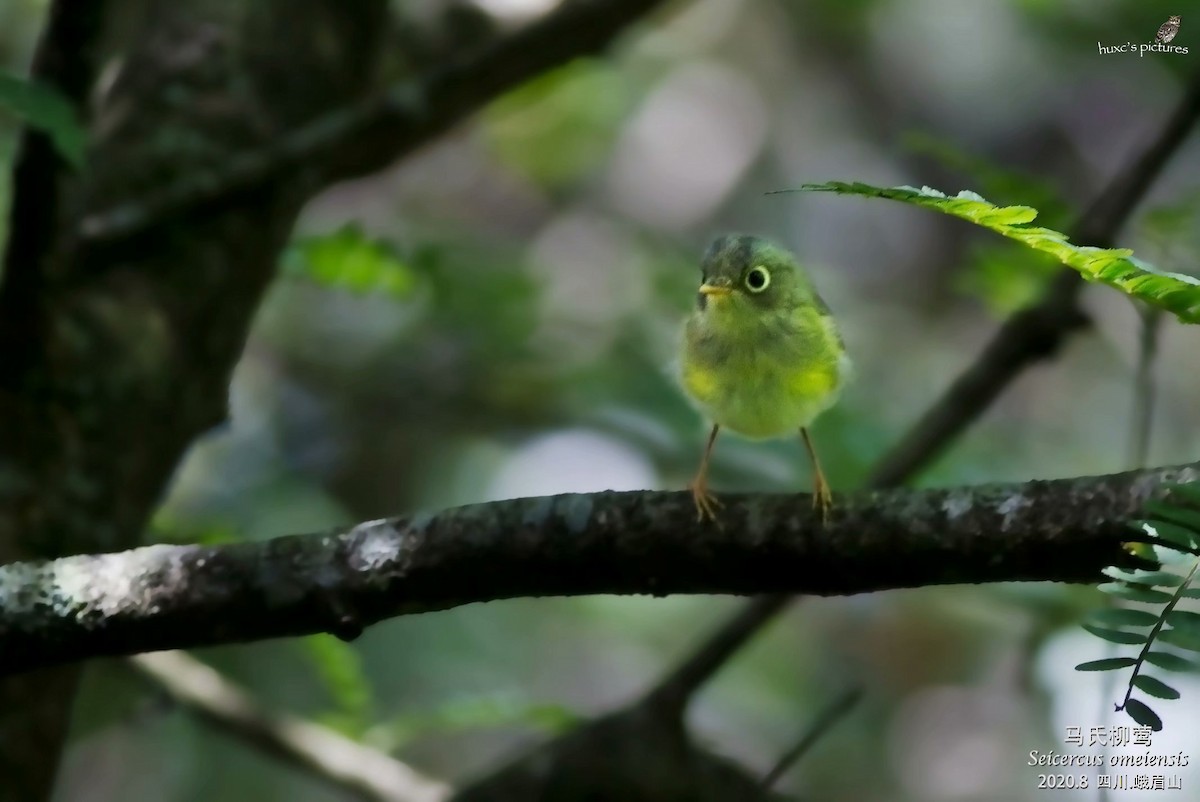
319	751
369	135
161	597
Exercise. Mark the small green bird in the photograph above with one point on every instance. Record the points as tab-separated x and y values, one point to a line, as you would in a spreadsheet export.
762	355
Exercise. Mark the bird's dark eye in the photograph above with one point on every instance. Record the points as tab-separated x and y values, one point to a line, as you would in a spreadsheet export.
758	279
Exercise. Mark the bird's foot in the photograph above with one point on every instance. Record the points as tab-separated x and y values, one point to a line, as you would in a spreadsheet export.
706	503
822	498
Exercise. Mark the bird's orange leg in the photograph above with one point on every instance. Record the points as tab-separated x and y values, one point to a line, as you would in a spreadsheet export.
822	497
706	503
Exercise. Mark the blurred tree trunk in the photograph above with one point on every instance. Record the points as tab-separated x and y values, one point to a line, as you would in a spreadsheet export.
129	286
114	356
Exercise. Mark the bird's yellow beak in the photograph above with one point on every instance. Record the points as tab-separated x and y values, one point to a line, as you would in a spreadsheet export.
715	289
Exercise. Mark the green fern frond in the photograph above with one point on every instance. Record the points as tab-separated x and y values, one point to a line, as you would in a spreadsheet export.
1173	532
1177	293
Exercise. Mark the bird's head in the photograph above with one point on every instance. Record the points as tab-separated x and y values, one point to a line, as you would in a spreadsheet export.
747	272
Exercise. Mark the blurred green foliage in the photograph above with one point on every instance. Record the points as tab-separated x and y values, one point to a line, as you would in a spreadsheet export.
348	260
1003	275
340	668
501	313
558	128
46	110
1007	277
1005	187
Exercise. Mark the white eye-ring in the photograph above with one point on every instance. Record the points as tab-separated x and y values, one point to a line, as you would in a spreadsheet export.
758	279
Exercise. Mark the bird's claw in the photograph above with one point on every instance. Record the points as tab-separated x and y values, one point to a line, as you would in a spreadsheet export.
822	498
706	503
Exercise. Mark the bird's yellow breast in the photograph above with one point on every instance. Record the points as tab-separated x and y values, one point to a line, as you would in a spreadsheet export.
766	383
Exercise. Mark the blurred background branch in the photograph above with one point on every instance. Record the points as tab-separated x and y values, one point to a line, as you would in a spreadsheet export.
830	716
1036	333
319	751
386	126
